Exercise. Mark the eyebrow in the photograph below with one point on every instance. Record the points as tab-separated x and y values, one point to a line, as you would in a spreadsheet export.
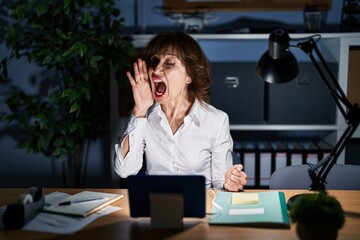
166	52
171	53
167	56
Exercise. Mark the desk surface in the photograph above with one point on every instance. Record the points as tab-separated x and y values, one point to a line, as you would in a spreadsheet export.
120	225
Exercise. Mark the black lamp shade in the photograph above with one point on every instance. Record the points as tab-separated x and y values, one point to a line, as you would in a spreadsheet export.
278	64
277	71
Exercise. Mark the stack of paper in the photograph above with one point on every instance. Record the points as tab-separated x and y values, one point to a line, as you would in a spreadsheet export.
83	203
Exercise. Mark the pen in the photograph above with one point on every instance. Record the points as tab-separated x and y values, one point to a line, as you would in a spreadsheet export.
66	203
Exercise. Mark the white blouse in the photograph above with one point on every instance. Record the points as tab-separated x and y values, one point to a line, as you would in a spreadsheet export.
201	146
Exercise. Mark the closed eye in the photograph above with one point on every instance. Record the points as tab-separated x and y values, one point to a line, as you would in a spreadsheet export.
169	64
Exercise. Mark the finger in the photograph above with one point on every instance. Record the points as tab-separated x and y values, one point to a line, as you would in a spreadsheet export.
235	179
131	79
142	70
136	72
243	182
239	179
239	167
235	170
237	173
145	71
236	185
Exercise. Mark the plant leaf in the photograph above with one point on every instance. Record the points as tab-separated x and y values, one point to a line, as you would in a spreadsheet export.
41	9
81	47
66	92
73	127
74	107
47	59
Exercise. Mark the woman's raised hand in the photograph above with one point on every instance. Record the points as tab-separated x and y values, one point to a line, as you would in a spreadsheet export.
141	88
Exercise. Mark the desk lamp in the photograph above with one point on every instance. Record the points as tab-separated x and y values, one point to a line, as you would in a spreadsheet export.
279	65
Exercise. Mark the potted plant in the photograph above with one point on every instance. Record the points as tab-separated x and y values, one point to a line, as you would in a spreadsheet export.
317	216
76	44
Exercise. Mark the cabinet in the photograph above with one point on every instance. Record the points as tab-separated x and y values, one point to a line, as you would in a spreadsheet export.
249	100
298	111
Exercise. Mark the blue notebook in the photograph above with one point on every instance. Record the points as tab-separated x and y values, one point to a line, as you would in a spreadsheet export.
261	209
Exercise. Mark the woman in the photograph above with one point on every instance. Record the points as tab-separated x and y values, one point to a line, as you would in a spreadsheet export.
172	122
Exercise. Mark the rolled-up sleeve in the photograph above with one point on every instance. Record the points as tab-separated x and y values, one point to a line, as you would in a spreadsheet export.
222	148
132	162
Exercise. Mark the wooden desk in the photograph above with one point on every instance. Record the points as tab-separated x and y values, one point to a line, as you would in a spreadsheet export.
120	225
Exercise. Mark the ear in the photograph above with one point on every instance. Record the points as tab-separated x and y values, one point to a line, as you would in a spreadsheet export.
188	80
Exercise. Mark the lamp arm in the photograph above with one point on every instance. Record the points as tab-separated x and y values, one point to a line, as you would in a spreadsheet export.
318	178
336	92
350	112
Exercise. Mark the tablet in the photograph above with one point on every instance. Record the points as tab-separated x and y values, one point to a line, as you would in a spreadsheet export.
192	188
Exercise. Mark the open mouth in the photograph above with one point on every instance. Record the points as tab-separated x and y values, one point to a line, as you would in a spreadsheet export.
160	88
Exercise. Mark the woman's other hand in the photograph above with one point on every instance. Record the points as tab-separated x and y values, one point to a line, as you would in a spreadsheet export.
235	178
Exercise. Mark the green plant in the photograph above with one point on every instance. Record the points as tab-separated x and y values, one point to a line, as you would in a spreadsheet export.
318	216
76	43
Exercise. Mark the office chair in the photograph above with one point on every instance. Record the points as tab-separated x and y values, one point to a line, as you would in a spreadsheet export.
341	177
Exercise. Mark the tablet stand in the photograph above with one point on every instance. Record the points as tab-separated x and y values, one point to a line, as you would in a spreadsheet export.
166	210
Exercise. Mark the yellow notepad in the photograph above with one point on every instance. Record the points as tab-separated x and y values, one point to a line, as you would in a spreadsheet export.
84	203
244	198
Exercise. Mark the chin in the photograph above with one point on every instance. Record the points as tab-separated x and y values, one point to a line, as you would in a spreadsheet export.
160	99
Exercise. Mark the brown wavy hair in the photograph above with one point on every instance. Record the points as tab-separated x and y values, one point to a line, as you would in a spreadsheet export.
190	54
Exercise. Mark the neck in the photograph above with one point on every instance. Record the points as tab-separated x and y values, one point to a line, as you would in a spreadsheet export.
176	110
176	116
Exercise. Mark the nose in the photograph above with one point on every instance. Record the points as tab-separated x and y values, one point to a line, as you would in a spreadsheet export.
157	68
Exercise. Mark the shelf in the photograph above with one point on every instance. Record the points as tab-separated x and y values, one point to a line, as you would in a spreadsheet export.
140	40
185	6
249	127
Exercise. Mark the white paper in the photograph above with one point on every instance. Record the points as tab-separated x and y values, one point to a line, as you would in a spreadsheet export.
280	160
296	159
312	158
80	209
249	165
60	224
246	211
265	168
